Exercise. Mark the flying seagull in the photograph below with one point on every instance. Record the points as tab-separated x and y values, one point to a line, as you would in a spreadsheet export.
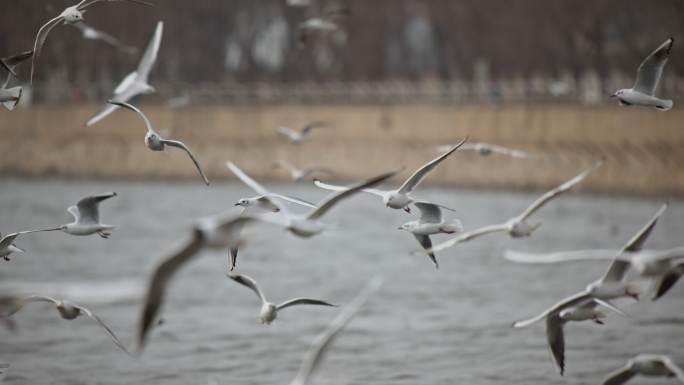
486	149
269	311
298	137
70	15
91	33
652	365
298	174
155	142
7	246
401	198
136	82
430	223
265	202
67	310
578	306
9	97
648	76
518	226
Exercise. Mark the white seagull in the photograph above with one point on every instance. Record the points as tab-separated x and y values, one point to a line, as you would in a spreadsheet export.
648	76
298	137
652	365
306	225
67	310
9	97
486	149
155	142
518	227
70	15
581	306
323	341
269	311
7	246
430	223
401	198
298	174
86	215
265	202
136	82
91	33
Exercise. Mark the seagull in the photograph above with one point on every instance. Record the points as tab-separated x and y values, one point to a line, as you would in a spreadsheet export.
518	227
297	174
486	149
9	97
155	142
91	33
400	198
430	222
134	83
328	22
269	311
70	15
652	365
66	309
298	137
648	76
322	342
306	225
265	202
7	246
579	306
87	217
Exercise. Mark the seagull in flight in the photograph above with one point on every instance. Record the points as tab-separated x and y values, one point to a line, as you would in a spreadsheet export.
265	202
9	97
7	245
430	223
155	142
269	311
86	215
298	137
136	82
578	307
67	310
651	365
518	226
401	198
487	149
70	15
648	77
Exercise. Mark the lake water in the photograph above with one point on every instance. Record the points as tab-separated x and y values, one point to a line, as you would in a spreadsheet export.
424	326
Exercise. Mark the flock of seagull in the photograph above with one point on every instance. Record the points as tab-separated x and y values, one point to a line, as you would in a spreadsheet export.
223	231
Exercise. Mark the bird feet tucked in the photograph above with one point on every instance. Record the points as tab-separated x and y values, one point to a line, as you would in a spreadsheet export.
6	258
104	234
407	209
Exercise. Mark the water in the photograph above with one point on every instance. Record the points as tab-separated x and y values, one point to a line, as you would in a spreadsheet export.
424	326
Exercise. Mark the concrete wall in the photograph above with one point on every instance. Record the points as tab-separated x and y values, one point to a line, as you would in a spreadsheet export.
644	148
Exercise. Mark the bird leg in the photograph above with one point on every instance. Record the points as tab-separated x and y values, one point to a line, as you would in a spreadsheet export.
598	321
104	234
407	209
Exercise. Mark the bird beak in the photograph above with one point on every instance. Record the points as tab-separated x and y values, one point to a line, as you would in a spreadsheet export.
399	228
613	95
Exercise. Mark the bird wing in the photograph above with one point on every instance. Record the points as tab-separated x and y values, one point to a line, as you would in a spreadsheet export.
104	36
10	62
40	40
322	342
127	91
573	300
126	83
317	124
651	69
549	195
426	242
133	108
333	199
290	133
160	280
247	281
429	212
619	376
88	207
150	55
254	185
181	145
509	151
303	301
107	329
556	340
665	282
327	186
422	172
9	238
468	235
564	256
294	200
673	368
617	269
232	257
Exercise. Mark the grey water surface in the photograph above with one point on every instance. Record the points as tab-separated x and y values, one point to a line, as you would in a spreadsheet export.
424	326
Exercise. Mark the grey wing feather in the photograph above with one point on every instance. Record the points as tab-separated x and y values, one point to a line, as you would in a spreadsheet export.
468	235
573	300
135	109
303	301
327	186
88	207
422	172
150	55
674	368
665	283
181	145
426	242
292	199
651	69
564	256
429	212
556	340
254	185
619	376
107	329
248	282
40	40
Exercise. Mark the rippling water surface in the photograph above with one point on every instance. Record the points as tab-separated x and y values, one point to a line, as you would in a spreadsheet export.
425	326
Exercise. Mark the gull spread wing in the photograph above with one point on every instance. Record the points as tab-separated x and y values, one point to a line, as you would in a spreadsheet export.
9	238
159	281
573	300
651	69
329	202
107	329
303	301
150	55
429	213
181	145
40	40
126	94
618	268
254	185
134	109
468	235
331	187
549	195
556	340
248	282
619	376
322	342
88	207
565	256
426	242
126	83
422	172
